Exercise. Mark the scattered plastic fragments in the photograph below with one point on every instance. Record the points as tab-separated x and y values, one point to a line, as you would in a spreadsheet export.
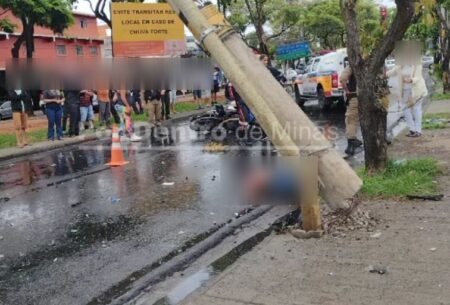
379	270
114	199
168	183
376	235
76	204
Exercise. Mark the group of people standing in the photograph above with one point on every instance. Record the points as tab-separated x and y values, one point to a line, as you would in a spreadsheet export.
411	92
205	98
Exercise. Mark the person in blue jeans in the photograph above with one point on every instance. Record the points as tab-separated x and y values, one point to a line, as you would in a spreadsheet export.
54	101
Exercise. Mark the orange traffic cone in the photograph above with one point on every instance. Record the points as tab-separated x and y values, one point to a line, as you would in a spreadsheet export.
117	158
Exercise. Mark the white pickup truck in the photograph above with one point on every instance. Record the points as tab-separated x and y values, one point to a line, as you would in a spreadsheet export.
321	80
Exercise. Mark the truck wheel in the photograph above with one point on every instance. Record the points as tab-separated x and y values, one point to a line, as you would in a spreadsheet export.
342	104
324	104
298	98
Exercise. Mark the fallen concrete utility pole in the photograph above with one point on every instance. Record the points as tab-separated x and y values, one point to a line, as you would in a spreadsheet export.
288	127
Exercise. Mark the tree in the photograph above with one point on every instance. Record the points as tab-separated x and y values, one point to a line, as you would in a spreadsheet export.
53	14
5	24
100	8
442	10
224	4
367	70
321	23
281	15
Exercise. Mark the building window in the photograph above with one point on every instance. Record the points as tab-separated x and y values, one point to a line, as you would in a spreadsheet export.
61	50
93	50
79	50
83	24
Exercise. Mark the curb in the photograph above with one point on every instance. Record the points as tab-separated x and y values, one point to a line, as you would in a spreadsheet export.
181	261
41	147
44	148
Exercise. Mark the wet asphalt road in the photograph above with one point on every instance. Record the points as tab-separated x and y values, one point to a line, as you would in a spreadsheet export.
71	228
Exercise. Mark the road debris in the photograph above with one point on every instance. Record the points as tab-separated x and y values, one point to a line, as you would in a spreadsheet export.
114	199
438	197
215	147
181	232
337	223
76	204
301	234
377	269
168	183
4	199
376	235
433	249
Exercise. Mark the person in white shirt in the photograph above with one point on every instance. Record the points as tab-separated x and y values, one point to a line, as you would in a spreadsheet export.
412	89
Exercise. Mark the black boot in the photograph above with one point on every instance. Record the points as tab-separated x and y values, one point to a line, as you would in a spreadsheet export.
350	147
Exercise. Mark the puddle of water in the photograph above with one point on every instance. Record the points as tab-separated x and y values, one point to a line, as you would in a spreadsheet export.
186	287
57	164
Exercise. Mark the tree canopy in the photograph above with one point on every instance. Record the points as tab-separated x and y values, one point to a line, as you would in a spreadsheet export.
319	22
53	14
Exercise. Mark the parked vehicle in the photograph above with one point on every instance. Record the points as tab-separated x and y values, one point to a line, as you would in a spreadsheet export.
5	110
427	62
290	74
321	80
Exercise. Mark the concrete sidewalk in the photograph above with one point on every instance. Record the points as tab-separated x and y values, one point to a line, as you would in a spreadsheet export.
396	254
15	152
438	107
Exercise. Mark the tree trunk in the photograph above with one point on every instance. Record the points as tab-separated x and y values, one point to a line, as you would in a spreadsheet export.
29	39
446	65
373	126
262	44
373	118
15	51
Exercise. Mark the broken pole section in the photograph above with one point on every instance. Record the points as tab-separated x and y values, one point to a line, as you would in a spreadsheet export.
272	106
309	197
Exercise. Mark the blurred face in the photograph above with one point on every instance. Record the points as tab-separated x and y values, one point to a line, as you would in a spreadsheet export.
265	60
407	52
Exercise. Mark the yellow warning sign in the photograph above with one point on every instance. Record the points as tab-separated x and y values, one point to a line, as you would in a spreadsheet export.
133	22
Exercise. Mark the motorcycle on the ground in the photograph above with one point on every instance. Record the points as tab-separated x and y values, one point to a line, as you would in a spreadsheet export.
222	116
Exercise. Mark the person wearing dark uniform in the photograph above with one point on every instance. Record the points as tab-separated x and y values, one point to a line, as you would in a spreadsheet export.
348	81
72	111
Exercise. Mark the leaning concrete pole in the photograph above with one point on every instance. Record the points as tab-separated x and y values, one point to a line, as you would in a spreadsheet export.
288	127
